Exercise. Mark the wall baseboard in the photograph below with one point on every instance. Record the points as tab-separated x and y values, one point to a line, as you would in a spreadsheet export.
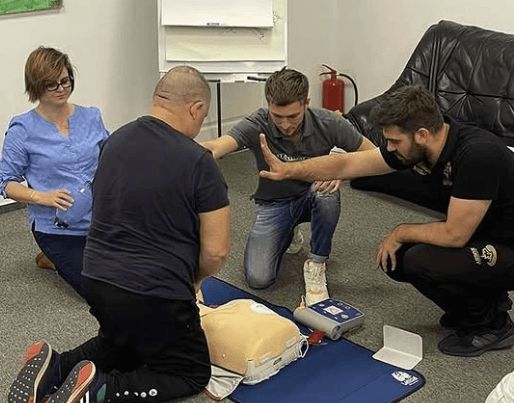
7	205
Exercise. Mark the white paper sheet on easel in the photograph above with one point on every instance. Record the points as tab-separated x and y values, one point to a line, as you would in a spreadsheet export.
228	44
221	13
401	348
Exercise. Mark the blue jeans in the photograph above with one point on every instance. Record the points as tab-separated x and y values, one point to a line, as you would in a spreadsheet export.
66	253
272	233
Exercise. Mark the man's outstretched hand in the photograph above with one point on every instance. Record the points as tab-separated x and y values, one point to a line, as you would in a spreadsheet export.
277	168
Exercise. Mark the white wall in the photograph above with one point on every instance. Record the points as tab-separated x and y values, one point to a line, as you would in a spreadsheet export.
371	40
311	34
376	38
113	45
313	39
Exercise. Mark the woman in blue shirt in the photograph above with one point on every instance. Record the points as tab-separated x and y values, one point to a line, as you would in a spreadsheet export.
54	147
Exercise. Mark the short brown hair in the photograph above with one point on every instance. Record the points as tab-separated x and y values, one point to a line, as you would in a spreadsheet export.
285	87
44	65
410	108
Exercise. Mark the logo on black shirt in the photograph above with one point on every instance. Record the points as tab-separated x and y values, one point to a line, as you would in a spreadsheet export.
447	174
490	255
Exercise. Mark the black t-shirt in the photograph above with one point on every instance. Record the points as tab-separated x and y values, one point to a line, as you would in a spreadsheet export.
476	165
150	186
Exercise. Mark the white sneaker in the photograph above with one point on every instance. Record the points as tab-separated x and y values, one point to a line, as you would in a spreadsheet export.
315	282
296	243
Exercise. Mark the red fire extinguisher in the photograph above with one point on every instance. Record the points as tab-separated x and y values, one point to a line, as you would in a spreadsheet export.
333	90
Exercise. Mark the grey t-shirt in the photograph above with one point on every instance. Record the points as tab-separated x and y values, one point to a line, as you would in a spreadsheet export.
322	131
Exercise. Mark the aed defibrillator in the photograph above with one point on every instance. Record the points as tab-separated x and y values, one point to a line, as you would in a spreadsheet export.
332	316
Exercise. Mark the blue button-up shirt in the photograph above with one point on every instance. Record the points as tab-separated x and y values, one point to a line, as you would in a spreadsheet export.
35	151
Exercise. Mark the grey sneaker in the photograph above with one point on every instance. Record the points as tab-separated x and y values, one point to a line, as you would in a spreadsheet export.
296	243
315	282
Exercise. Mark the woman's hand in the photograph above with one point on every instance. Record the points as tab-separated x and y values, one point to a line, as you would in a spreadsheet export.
60	198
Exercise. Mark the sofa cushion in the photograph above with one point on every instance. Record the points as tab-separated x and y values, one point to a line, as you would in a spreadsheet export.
470	72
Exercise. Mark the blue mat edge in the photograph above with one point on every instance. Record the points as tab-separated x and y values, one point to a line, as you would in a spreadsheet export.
279	308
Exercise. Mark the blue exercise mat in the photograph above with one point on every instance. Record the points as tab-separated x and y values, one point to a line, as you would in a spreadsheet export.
335	372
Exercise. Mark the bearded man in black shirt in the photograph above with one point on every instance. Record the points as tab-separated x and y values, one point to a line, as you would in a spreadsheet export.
465	263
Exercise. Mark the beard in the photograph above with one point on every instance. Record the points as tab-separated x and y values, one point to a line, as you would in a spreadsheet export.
417	154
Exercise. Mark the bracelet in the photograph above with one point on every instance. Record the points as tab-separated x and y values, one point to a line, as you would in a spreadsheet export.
31	197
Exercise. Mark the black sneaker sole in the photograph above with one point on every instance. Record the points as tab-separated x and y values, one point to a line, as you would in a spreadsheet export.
24	387
76	384
503	344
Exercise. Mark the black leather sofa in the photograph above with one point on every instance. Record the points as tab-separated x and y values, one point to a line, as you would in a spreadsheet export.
470	72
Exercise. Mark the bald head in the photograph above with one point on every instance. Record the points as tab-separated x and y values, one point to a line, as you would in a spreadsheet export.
182	84
182	99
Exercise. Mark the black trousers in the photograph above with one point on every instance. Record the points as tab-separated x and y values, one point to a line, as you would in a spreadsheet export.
469	283
149	349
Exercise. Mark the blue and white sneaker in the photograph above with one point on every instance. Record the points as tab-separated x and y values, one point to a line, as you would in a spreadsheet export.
38	377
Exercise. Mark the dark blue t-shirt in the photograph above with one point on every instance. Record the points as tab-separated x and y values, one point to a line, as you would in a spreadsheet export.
150	186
